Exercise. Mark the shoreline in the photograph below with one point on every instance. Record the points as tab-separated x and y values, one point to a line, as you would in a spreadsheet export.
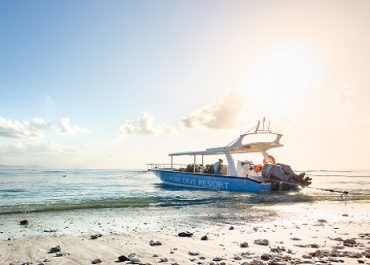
303	233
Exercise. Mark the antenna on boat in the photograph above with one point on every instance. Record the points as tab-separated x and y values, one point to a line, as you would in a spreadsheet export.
263	124
258	126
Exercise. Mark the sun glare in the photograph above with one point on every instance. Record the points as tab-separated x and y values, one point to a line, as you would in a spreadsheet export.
284	74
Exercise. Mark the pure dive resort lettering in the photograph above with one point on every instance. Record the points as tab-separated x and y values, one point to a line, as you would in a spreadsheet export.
210	184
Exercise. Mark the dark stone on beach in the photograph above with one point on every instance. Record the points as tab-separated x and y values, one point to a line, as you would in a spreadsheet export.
295	239
96	261
217	259
265	256
96	236
314	245
50	231
193	253
46	260
318	254
360	261
231	228
185	234
154	243
322	221
278	249
262	242
163	260
123	258
205	237
244	245
58	254
133	258
55	249
349	242
24	222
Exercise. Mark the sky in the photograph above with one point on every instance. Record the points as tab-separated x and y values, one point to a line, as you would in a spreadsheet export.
118	84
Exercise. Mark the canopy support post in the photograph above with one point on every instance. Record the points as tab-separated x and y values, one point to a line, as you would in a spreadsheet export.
194	163
171	162
202	161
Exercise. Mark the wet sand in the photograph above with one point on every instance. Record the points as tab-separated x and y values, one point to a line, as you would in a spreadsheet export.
300	233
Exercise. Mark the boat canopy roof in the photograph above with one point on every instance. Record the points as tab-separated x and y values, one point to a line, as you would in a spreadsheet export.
237	146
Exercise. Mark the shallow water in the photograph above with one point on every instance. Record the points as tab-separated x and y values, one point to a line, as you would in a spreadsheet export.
121	201
34	190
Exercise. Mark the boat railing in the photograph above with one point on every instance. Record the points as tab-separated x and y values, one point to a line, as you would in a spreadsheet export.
165	166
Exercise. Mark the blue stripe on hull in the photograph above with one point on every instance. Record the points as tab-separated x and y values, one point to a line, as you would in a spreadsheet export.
211	182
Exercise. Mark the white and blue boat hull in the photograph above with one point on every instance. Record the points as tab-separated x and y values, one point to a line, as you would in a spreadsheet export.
211	182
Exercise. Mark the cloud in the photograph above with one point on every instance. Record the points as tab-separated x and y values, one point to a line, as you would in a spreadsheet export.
144	126
23	129
220	114
65	127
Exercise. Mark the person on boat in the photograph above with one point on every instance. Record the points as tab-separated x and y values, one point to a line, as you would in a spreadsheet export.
258	168
248	168
217	167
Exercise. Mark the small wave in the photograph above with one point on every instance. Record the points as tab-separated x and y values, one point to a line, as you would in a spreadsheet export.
338	175
12	190
54	171
107	203
337	171
225	200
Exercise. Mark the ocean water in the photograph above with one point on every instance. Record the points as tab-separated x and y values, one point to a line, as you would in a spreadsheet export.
42	190
122	201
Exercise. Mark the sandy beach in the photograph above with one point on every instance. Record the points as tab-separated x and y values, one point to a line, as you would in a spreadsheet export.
304	233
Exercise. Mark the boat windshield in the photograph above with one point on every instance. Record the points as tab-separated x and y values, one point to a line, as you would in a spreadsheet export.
259	138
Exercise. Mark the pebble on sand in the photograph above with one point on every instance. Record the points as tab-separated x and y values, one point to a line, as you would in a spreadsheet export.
96	236
163	260
24	222
185	234
55	249
96	261
133	258
154	243
262	242
244	245
123	258
205	237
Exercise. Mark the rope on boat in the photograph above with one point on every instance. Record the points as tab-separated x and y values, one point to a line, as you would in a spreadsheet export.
137	173
343	195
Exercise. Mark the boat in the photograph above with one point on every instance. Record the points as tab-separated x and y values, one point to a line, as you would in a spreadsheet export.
234	176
